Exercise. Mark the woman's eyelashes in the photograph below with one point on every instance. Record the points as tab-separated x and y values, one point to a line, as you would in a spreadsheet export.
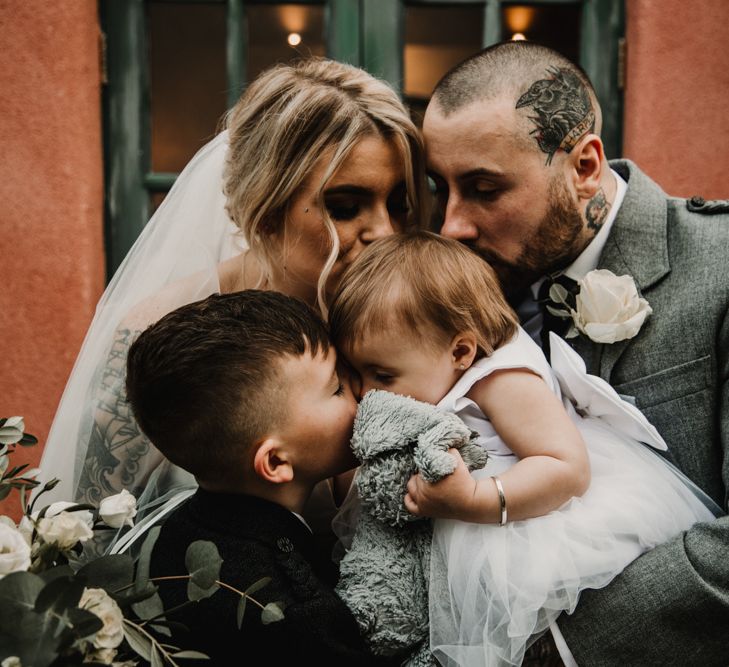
343	209
340	389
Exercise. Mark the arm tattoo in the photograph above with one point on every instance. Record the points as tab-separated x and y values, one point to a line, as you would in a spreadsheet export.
116	444
563	111
597	211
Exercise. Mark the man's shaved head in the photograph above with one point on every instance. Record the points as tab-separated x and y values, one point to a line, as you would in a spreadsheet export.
556	100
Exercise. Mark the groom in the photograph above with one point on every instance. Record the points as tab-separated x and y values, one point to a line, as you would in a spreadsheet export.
513	143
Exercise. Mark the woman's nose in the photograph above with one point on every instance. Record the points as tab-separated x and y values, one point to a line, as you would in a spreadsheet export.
380	226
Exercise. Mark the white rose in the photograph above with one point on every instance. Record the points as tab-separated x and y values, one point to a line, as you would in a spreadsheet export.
12	661
98	602
56	508
64	529
119	510
609	308
14	550
103	655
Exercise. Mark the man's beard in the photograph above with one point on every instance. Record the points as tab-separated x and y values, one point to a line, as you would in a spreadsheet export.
559	238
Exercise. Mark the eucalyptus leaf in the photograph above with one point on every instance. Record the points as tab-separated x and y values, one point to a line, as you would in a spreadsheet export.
55	572
59	595
149	607
157	658
241	610
4	462
203	562
558	293
572	333
196	655
4	490
84	622
109	572
258	585
28	440
195	592
272	613
139	642
559	312
145	557
161	628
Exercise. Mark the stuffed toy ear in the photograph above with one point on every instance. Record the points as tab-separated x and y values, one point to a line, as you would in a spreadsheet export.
387	422
431	454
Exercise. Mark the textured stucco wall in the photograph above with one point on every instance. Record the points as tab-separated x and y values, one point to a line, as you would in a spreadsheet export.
677	94
51	202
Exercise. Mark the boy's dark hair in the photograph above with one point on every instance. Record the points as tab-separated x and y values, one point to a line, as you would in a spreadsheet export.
204	382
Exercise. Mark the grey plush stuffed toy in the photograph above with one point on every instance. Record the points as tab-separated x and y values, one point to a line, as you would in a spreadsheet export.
384	575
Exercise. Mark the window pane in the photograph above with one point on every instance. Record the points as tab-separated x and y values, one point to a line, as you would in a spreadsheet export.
436	39
187	78
280	33
554	25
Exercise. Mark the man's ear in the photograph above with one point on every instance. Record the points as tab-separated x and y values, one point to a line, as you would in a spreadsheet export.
586	162
271	462
463	349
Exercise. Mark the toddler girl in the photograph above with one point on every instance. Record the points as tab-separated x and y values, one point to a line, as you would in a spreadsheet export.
569	496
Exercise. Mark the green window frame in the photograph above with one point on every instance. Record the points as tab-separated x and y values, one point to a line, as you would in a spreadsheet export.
367	33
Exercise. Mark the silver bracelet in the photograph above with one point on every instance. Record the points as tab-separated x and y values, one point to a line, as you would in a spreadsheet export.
502	499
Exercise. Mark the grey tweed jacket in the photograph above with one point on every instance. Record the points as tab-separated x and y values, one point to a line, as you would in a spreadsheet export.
671	605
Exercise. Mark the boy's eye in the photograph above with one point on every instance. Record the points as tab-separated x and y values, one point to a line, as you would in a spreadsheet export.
343	210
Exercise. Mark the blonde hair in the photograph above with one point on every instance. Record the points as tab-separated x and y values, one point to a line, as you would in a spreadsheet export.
283	124
426	284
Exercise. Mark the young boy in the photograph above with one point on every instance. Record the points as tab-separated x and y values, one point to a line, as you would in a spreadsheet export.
243	391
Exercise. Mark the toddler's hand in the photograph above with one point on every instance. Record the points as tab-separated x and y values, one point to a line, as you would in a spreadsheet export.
449	498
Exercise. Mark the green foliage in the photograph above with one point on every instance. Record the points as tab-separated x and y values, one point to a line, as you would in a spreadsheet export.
54	603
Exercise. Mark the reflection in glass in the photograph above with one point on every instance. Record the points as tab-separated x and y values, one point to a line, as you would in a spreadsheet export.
187	79
436	39
554	25
281	33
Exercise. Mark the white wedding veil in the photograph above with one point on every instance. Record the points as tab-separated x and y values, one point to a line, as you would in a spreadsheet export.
95	447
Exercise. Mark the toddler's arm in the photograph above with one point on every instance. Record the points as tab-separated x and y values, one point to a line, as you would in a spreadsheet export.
553	465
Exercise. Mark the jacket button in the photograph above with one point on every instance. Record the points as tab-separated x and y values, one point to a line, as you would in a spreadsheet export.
285	544
698	201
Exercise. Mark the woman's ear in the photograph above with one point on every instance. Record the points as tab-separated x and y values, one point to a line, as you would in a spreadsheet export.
271	463
586	166
463	350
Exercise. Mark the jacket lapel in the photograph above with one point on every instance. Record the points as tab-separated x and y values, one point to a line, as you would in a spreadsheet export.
637	246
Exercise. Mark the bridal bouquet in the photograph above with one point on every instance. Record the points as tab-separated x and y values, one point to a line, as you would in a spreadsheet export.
64	603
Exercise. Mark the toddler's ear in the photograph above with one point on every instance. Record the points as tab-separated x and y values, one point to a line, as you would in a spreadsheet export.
463	350
271	464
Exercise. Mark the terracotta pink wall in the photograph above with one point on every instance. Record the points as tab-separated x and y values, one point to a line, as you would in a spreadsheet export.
51	202
677	94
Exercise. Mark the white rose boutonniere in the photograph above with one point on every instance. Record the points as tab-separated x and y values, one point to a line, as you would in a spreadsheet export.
118	510
64	529
607	308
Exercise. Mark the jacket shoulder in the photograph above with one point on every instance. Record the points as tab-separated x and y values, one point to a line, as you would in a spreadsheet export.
697	204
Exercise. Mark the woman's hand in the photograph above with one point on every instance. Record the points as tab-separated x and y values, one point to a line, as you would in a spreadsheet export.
450	498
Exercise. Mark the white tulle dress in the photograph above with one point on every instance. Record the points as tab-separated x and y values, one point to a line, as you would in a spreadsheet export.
505	585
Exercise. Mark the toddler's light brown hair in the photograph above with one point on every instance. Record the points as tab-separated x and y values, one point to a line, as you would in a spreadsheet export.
424	285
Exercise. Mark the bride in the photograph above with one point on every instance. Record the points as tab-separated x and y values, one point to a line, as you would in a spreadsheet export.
318	159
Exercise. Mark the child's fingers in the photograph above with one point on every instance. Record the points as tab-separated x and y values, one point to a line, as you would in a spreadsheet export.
411	506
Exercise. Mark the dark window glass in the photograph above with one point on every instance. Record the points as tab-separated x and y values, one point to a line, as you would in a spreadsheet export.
554	25
436	39
280	33
187	79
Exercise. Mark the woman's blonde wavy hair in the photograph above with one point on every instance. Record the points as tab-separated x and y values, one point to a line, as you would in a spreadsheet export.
282	125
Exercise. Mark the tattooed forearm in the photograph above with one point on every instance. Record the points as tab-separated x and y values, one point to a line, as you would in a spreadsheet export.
597	211
116	444
563	111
